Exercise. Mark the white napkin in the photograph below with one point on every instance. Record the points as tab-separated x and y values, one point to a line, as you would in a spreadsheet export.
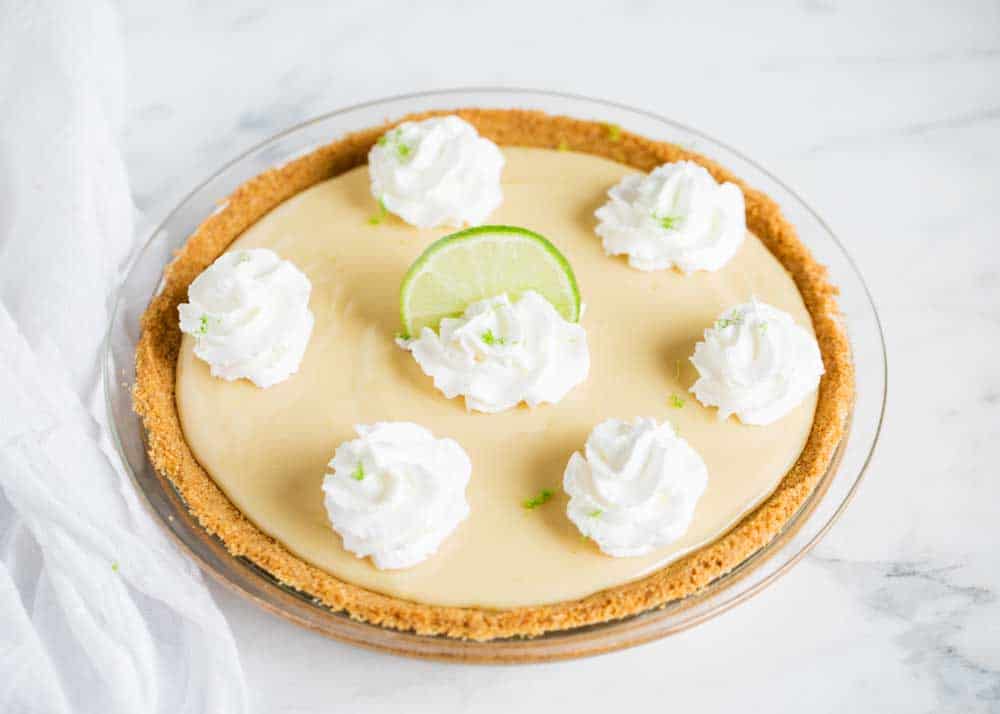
98	611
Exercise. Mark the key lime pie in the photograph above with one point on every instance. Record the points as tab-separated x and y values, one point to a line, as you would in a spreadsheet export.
494	373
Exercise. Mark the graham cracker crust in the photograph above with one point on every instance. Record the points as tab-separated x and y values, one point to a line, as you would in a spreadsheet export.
157	351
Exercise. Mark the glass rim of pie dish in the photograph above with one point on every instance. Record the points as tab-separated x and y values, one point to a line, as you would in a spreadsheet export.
799	534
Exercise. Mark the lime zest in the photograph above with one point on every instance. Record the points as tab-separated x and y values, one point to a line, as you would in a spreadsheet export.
203	326
380	216
114	566
359	472
596	513
728	321
614	132
489	338
563	145
762	326
543	497
667	223
394	139
676	401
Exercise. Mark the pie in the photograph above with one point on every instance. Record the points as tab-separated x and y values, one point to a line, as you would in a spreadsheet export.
249	462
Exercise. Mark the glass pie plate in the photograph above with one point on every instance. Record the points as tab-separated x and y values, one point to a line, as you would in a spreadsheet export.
801	533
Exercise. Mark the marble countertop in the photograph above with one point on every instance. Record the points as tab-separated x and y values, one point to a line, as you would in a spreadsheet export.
885	116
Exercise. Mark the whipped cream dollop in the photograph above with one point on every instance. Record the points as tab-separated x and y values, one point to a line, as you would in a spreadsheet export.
635	487
249	314
500	353
678	215
757	363
396	492
436	172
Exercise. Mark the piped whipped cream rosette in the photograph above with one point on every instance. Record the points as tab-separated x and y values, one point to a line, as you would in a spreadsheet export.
635	487
500	353
678	215
396	493
757	363
436	172
249	314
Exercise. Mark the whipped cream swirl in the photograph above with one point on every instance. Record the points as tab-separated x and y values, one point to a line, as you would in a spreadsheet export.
635	487
249	314
678	215
396	492
500	353
436	172
755	362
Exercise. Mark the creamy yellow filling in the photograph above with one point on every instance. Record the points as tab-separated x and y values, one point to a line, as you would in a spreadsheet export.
268	449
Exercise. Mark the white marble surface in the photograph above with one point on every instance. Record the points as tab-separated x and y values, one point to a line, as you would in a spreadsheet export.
885	115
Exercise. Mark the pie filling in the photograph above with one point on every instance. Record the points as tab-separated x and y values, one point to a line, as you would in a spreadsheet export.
268	449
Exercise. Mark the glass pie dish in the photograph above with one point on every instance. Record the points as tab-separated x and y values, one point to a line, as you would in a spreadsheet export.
799	534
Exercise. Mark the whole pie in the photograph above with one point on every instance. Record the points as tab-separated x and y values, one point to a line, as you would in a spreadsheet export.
250	458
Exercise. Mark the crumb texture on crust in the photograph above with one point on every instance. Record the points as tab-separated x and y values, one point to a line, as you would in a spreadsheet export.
159	344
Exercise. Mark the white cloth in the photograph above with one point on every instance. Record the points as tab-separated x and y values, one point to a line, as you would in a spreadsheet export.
98	610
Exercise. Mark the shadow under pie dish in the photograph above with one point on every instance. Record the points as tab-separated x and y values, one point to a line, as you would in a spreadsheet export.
626	340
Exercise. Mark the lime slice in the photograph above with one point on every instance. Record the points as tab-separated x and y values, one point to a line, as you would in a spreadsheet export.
480	263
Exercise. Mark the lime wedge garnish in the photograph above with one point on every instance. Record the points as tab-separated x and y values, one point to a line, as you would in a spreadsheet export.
480	263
